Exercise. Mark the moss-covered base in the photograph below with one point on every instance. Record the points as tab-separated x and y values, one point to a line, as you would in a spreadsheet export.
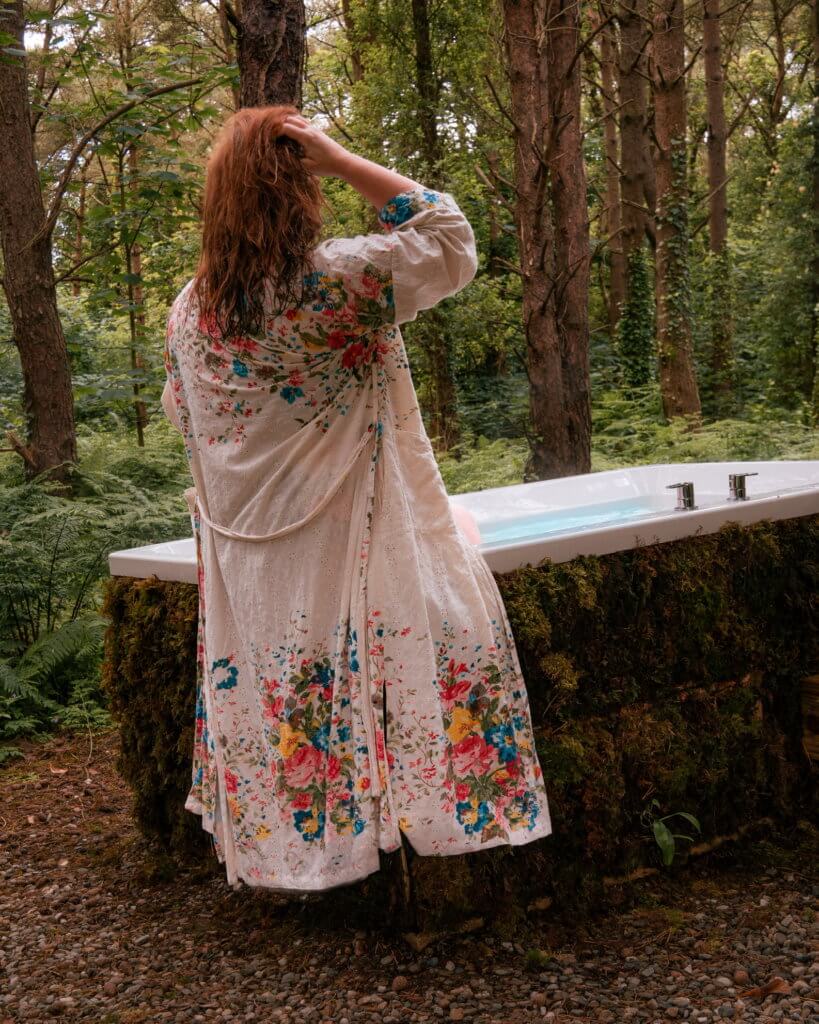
669	673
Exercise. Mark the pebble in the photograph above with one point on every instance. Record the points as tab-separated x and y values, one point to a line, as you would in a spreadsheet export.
98	940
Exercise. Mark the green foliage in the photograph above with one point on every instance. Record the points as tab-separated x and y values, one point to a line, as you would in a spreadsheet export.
53	557
665	839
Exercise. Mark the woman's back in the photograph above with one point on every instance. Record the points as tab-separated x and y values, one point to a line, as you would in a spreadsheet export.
358	680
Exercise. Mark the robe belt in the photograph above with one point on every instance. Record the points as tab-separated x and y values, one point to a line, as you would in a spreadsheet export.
257	538
366	695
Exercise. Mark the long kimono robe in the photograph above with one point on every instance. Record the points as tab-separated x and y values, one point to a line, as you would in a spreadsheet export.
357	678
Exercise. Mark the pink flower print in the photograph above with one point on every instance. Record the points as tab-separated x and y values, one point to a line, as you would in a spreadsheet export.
208	325
291	314
337	339
302	767
462	792
353	355
333	767
454	692
231	781
406	630
474	755
295	378
245	344
302	801
274	710
370	286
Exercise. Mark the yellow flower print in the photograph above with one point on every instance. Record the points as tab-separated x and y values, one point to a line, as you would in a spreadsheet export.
290	739
263	832
471	816
462	725
310	825
403	824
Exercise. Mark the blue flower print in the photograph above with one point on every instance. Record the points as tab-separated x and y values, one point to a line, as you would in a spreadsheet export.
290	393
400	208
310	824
232	674
502	737
473	818
321	737
240	368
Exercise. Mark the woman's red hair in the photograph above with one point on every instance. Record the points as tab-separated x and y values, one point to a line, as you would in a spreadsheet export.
261	219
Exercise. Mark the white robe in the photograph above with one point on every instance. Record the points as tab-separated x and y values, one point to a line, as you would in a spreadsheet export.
357	677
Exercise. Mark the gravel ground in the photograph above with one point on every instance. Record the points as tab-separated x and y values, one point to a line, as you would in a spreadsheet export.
88	931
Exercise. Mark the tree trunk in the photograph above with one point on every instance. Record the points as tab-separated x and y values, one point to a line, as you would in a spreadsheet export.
721	312
350	30
613	219
28	279
559	444
442	407
678	385
634	150
815	176
571	224
79	230
270	50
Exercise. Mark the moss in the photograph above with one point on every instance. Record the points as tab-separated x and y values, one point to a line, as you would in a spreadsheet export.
670	672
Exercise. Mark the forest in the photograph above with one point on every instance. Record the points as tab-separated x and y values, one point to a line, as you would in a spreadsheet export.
643	183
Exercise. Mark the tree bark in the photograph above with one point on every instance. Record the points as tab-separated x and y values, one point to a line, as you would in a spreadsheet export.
567	171
678	385
721	312
635	159
815	176
28	279
270	47
558	408
442	406
611	140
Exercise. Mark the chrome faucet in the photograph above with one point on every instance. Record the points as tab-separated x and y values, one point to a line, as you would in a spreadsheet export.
736	486
685	496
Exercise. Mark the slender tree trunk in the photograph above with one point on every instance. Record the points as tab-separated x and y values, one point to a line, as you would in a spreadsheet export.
443	404
132	251
136	295
558	439
634	152
613	219
721	312
678	384
350	30
79	230
225	13
270	50
28	277
567	172
815	176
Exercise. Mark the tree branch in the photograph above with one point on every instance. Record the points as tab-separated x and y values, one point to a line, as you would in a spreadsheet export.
77	151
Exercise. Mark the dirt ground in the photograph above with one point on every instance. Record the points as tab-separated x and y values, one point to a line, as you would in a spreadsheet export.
92	929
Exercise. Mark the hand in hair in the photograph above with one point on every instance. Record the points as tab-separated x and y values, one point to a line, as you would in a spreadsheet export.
324	156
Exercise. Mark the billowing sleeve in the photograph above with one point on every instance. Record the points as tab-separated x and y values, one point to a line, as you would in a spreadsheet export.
169	405
425	254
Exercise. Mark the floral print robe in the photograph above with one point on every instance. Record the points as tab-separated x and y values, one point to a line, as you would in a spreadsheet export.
357	676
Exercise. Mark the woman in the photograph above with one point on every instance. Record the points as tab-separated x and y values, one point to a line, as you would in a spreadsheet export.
358	677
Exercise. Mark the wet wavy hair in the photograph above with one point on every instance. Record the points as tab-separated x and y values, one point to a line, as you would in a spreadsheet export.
261	219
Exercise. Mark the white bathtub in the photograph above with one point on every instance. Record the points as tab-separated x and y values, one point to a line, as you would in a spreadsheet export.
593	514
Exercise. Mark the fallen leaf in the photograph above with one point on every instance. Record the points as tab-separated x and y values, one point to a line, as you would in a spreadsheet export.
776	985
30	819
62	863
57	771
418	941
